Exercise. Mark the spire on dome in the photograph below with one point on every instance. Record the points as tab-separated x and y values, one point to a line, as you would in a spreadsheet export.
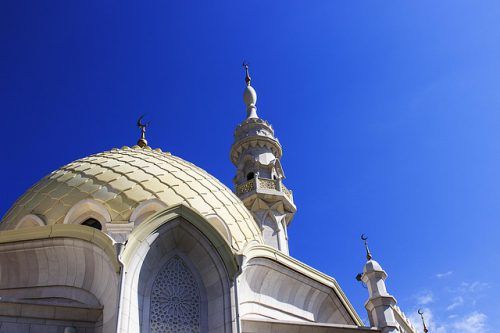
368	253
421	313
142	142
249	95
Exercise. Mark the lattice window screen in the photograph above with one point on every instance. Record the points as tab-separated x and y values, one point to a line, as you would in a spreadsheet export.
175	300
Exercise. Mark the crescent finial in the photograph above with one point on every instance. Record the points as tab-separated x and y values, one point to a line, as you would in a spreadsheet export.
142	142
421	313
368	253
248	79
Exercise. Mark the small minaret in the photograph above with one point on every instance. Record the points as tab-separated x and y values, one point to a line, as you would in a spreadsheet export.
256	153
380	304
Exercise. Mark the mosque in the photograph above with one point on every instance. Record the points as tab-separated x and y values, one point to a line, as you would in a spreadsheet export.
138	240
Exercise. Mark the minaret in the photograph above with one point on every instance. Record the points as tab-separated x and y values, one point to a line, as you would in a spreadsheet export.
380	304
256	153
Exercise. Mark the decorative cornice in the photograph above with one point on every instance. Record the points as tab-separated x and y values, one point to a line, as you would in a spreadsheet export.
255	141
381	300
280	326
400	314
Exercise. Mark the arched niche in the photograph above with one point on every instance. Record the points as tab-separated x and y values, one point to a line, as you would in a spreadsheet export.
29	221
88	209
220	226
271	226
270	231
146	209
204	254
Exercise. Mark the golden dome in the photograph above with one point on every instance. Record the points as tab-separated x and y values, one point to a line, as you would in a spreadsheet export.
121	179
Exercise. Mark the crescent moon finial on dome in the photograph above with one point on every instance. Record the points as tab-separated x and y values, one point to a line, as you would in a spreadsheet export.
142	142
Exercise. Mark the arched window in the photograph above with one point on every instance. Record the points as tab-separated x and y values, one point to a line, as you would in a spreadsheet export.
93	223
175	300
250	175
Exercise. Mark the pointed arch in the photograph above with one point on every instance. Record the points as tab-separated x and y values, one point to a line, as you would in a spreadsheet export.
177	231
146	228
270	230
30	220
88	209
146	209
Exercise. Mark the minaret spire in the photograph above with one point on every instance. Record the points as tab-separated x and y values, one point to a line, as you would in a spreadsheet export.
421	313
248	79
368	254
249	95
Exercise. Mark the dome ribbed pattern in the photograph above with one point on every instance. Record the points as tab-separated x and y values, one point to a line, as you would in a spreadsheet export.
121	179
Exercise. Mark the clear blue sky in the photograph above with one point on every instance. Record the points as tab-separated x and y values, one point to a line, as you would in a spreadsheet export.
388	111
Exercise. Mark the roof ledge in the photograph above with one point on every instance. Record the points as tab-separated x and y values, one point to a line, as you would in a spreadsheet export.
81	232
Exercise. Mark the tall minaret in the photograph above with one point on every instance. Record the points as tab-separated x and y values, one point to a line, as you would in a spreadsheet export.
380	304
256	153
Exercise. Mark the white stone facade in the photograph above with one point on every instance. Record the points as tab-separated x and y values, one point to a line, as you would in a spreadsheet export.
138	240
72	277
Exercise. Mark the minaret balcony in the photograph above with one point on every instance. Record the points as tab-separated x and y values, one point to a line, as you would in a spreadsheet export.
265	186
